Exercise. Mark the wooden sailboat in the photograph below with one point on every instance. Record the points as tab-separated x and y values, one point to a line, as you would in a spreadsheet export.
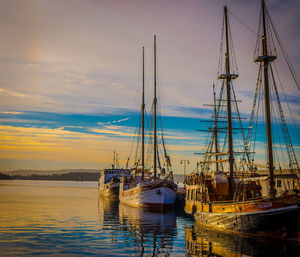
147	189
233	201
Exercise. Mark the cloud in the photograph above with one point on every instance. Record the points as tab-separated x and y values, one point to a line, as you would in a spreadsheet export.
12	120
4	92
95	68
111	132
55	145
13	113
118	121
113	122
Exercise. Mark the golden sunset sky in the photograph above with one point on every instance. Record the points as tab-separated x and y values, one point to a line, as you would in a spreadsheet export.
71	74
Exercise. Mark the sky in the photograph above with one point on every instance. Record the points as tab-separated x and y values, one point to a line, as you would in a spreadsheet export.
71	75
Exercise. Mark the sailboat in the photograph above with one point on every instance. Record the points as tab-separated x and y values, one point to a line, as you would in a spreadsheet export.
232	200
147	189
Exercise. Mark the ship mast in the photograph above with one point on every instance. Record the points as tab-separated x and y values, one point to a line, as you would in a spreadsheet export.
215	130
114	161
265	59
143	118
228	77
154	113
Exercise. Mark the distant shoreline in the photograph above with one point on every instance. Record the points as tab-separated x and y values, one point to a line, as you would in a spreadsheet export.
69	176
72	176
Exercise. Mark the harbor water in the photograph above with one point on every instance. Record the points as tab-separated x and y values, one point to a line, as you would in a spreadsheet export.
59	218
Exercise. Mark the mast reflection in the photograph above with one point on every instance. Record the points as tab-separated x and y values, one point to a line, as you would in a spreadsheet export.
203	242
153	233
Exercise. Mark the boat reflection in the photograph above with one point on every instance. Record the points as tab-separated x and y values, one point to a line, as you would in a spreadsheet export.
153	233
203	242
108	211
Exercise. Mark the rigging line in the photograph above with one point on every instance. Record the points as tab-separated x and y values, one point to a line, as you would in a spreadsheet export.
132	144
136	160
255	119
260	96
251	133
240	137
257	44
149	136
285	99
252	30
239	119
270	37
289	146
220	63
219	109
281	139
166	156
277	147
208	149
286	57
232	52
264	127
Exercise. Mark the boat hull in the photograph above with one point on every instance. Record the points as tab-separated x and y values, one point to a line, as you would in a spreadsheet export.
156	197
110	191
281	220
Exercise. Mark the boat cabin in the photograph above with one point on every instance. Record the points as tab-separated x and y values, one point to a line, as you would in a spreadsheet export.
214	187
108	175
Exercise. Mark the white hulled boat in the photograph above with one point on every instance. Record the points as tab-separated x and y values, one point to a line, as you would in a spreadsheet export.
145	188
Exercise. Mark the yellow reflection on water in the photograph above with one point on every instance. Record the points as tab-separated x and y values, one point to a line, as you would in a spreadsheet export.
203	242
43	204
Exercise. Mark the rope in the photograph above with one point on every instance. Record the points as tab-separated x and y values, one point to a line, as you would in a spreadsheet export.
248	27
286	57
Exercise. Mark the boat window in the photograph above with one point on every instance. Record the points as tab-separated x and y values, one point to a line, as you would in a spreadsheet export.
278	182
250	194
198	195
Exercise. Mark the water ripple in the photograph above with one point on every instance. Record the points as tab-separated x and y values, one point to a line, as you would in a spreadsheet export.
49	218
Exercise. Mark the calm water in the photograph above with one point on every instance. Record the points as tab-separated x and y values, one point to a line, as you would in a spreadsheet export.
57	218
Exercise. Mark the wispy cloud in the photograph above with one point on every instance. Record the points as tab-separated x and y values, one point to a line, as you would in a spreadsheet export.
55	145
113	122
16	120
81	94
5	92
13	113
118	121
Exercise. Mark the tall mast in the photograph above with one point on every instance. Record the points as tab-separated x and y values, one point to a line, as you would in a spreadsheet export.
227	77
143	119
215	130
228	96
114	163
117	160
154	113
265	60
